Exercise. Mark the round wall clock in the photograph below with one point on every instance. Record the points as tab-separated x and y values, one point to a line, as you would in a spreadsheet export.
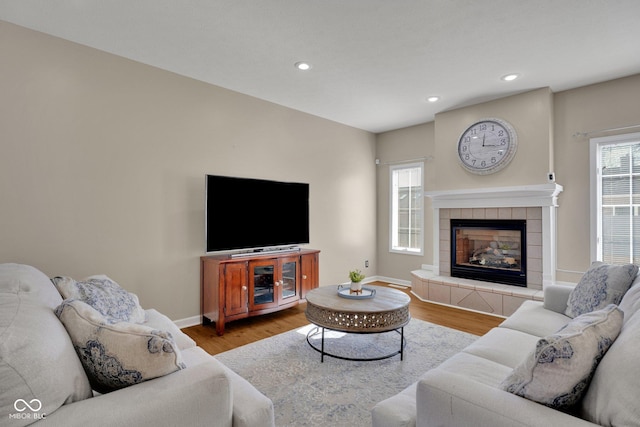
487	146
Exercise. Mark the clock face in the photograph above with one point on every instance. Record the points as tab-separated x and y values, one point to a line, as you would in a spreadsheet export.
487	146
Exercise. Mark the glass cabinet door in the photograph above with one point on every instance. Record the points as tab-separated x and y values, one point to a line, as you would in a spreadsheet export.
263	284
289	275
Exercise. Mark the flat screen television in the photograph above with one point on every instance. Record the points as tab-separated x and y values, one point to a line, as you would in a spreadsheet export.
251	214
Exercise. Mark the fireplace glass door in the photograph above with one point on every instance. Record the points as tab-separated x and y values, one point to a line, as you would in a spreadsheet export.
489	250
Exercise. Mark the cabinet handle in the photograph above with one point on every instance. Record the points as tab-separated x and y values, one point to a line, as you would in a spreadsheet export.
244	288
277	283
304	276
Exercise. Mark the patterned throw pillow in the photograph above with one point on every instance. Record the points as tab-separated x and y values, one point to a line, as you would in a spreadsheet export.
601	285
612	398
117	355
558	371
630	303
103	294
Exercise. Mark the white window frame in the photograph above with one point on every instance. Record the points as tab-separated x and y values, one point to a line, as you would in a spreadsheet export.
596	193
392	216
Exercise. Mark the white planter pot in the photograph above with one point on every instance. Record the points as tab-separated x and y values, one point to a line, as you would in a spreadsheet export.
356	286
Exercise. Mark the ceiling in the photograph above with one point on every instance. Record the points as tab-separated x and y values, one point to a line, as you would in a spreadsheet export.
374	62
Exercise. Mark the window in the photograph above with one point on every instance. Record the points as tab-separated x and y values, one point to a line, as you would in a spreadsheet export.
407	214
616	169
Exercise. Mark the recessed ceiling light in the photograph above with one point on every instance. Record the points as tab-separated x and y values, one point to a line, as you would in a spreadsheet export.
303	66
510	77
433	98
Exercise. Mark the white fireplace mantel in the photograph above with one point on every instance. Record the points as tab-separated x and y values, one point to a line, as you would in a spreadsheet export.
497	197
544	196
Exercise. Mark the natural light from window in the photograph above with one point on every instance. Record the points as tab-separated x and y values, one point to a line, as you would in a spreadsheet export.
407	214
617	198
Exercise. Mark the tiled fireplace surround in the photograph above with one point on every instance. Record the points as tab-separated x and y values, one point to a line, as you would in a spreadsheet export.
536	204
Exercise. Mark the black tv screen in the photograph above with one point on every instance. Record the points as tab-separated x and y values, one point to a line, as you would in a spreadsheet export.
246	213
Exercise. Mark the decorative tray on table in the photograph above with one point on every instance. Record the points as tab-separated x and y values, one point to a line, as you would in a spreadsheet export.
345	291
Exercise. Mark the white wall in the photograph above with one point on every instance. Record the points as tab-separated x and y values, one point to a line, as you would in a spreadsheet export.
529	113
545	123
606	105
414	142
103	162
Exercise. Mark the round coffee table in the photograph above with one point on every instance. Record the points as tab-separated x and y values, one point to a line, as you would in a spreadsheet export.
386	311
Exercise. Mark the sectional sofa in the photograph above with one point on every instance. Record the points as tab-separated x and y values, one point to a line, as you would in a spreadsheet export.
65	363
541	366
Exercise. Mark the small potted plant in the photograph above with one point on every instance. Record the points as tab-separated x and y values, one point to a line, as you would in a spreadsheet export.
356	277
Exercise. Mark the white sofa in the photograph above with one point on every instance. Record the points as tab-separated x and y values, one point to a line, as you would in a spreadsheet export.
466	389
42	380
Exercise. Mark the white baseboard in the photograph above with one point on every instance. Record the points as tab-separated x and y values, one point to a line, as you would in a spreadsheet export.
189	321
197	320
406	283
433	268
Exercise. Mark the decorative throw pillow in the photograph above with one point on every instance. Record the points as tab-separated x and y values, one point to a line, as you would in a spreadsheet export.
37	359
612	397
601	285
117	355
103	294
630	303
558	371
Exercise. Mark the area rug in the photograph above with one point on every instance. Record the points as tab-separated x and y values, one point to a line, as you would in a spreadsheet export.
337	392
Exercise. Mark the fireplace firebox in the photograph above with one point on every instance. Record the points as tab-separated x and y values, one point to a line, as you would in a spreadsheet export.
491	250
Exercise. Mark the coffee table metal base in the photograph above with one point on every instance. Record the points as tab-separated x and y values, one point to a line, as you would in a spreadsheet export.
320	330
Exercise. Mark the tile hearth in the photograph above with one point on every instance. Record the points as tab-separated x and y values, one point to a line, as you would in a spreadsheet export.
492	298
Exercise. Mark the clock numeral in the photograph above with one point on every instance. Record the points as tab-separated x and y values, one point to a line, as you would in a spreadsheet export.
503	141
500	133
493	160
483	127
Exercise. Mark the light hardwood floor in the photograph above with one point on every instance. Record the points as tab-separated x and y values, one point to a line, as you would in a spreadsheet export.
245	331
